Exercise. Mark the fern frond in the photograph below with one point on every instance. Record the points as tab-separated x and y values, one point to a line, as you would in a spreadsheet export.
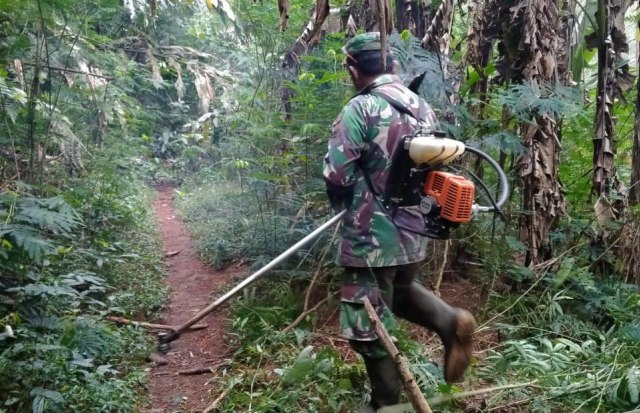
32	216
11	99
544	99
51	214
28	238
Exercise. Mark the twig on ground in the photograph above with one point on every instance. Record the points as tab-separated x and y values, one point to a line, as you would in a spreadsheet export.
564	394
454	396
200	370
318	270
120	320
615	359
495	317
306	313
416	397
436	288
217	401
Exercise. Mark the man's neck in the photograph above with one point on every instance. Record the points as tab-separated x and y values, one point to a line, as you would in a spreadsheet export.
369	83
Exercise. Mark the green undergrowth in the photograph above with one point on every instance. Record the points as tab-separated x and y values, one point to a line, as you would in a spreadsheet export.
574	340
243	221
556	338
69	258
309	369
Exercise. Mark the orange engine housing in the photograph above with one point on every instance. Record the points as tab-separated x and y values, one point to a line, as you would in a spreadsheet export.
453	193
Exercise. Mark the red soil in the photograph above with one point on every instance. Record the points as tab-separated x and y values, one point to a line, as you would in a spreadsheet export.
193	285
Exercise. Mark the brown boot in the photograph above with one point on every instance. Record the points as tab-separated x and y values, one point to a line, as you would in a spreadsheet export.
455	326
458	352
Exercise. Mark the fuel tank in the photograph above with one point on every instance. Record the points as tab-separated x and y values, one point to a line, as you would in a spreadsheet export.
433	150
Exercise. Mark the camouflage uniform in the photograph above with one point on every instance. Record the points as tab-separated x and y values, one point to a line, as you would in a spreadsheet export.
364	138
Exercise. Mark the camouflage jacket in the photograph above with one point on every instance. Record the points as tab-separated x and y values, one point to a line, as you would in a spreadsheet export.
364	137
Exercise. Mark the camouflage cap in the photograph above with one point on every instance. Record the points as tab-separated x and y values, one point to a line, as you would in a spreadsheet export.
362	42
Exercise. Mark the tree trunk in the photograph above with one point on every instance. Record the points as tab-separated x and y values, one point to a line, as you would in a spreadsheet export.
542	200
634	187
363	14
613	80
291	62
410	15
436	37
603	141
479	50
566	26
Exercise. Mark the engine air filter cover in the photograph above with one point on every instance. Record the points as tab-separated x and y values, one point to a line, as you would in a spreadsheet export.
454	193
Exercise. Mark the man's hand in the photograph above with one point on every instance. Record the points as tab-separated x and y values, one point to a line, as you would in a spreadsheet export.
340	197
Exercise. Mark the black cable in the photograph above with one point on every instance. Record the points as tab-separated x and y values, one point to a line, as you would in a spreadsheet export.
504	182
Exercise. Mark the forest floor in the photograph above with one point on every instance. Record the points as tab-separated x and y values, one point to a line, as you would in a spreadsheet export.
193	285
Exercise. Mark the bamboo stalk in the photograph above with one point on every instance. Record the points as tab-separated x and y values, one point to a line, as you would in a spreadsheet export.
416	397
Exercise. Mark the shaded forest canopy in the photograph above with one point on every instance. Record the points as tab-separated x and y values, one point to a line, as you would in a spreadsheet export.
231	101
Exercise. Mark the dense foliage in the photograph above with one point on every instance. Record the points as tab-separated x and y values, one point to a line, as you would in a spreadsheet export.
77	240
101	99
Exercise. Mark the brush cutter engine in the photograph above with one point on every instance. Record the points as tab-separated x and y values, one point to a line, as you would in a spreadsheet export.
417	178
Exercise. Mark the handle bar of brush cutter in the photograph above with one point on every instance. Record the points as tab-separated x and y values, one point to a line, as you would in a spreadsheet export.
174	334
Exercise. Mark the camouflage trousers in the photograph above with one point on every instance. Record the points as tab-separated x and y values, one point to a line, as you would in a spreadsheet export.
387	288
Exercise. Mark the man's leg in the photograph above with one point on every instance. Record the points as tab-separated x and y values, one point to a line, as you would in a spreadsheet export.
455	326
386	384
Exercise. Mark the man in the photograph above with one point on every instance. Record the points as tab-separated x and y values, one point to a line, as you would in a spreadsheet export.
382	258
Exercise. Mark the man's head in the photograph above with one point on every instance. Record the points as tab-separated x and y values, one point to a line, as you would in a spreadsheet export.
364	60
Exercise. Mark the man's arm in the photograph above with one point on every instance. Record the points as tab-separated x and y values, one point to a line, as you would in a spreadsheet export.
340	163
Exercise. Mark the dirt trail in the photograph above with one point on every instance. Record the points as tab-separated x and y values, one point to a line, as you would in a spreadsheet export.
192	286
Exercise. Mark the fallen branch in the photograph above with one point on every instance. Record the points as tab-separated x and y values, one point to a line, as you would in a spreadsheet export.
120	320
217	401
306	313
66	69
561	394
200	370
454	396
416	397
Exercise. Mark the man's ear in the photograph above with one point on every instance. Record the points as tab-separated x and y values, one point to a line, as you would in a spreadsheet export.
355	76
395	67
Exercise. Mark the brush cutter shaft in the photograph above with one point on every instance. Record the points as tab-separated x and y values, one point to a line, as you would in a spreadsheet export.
259	273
